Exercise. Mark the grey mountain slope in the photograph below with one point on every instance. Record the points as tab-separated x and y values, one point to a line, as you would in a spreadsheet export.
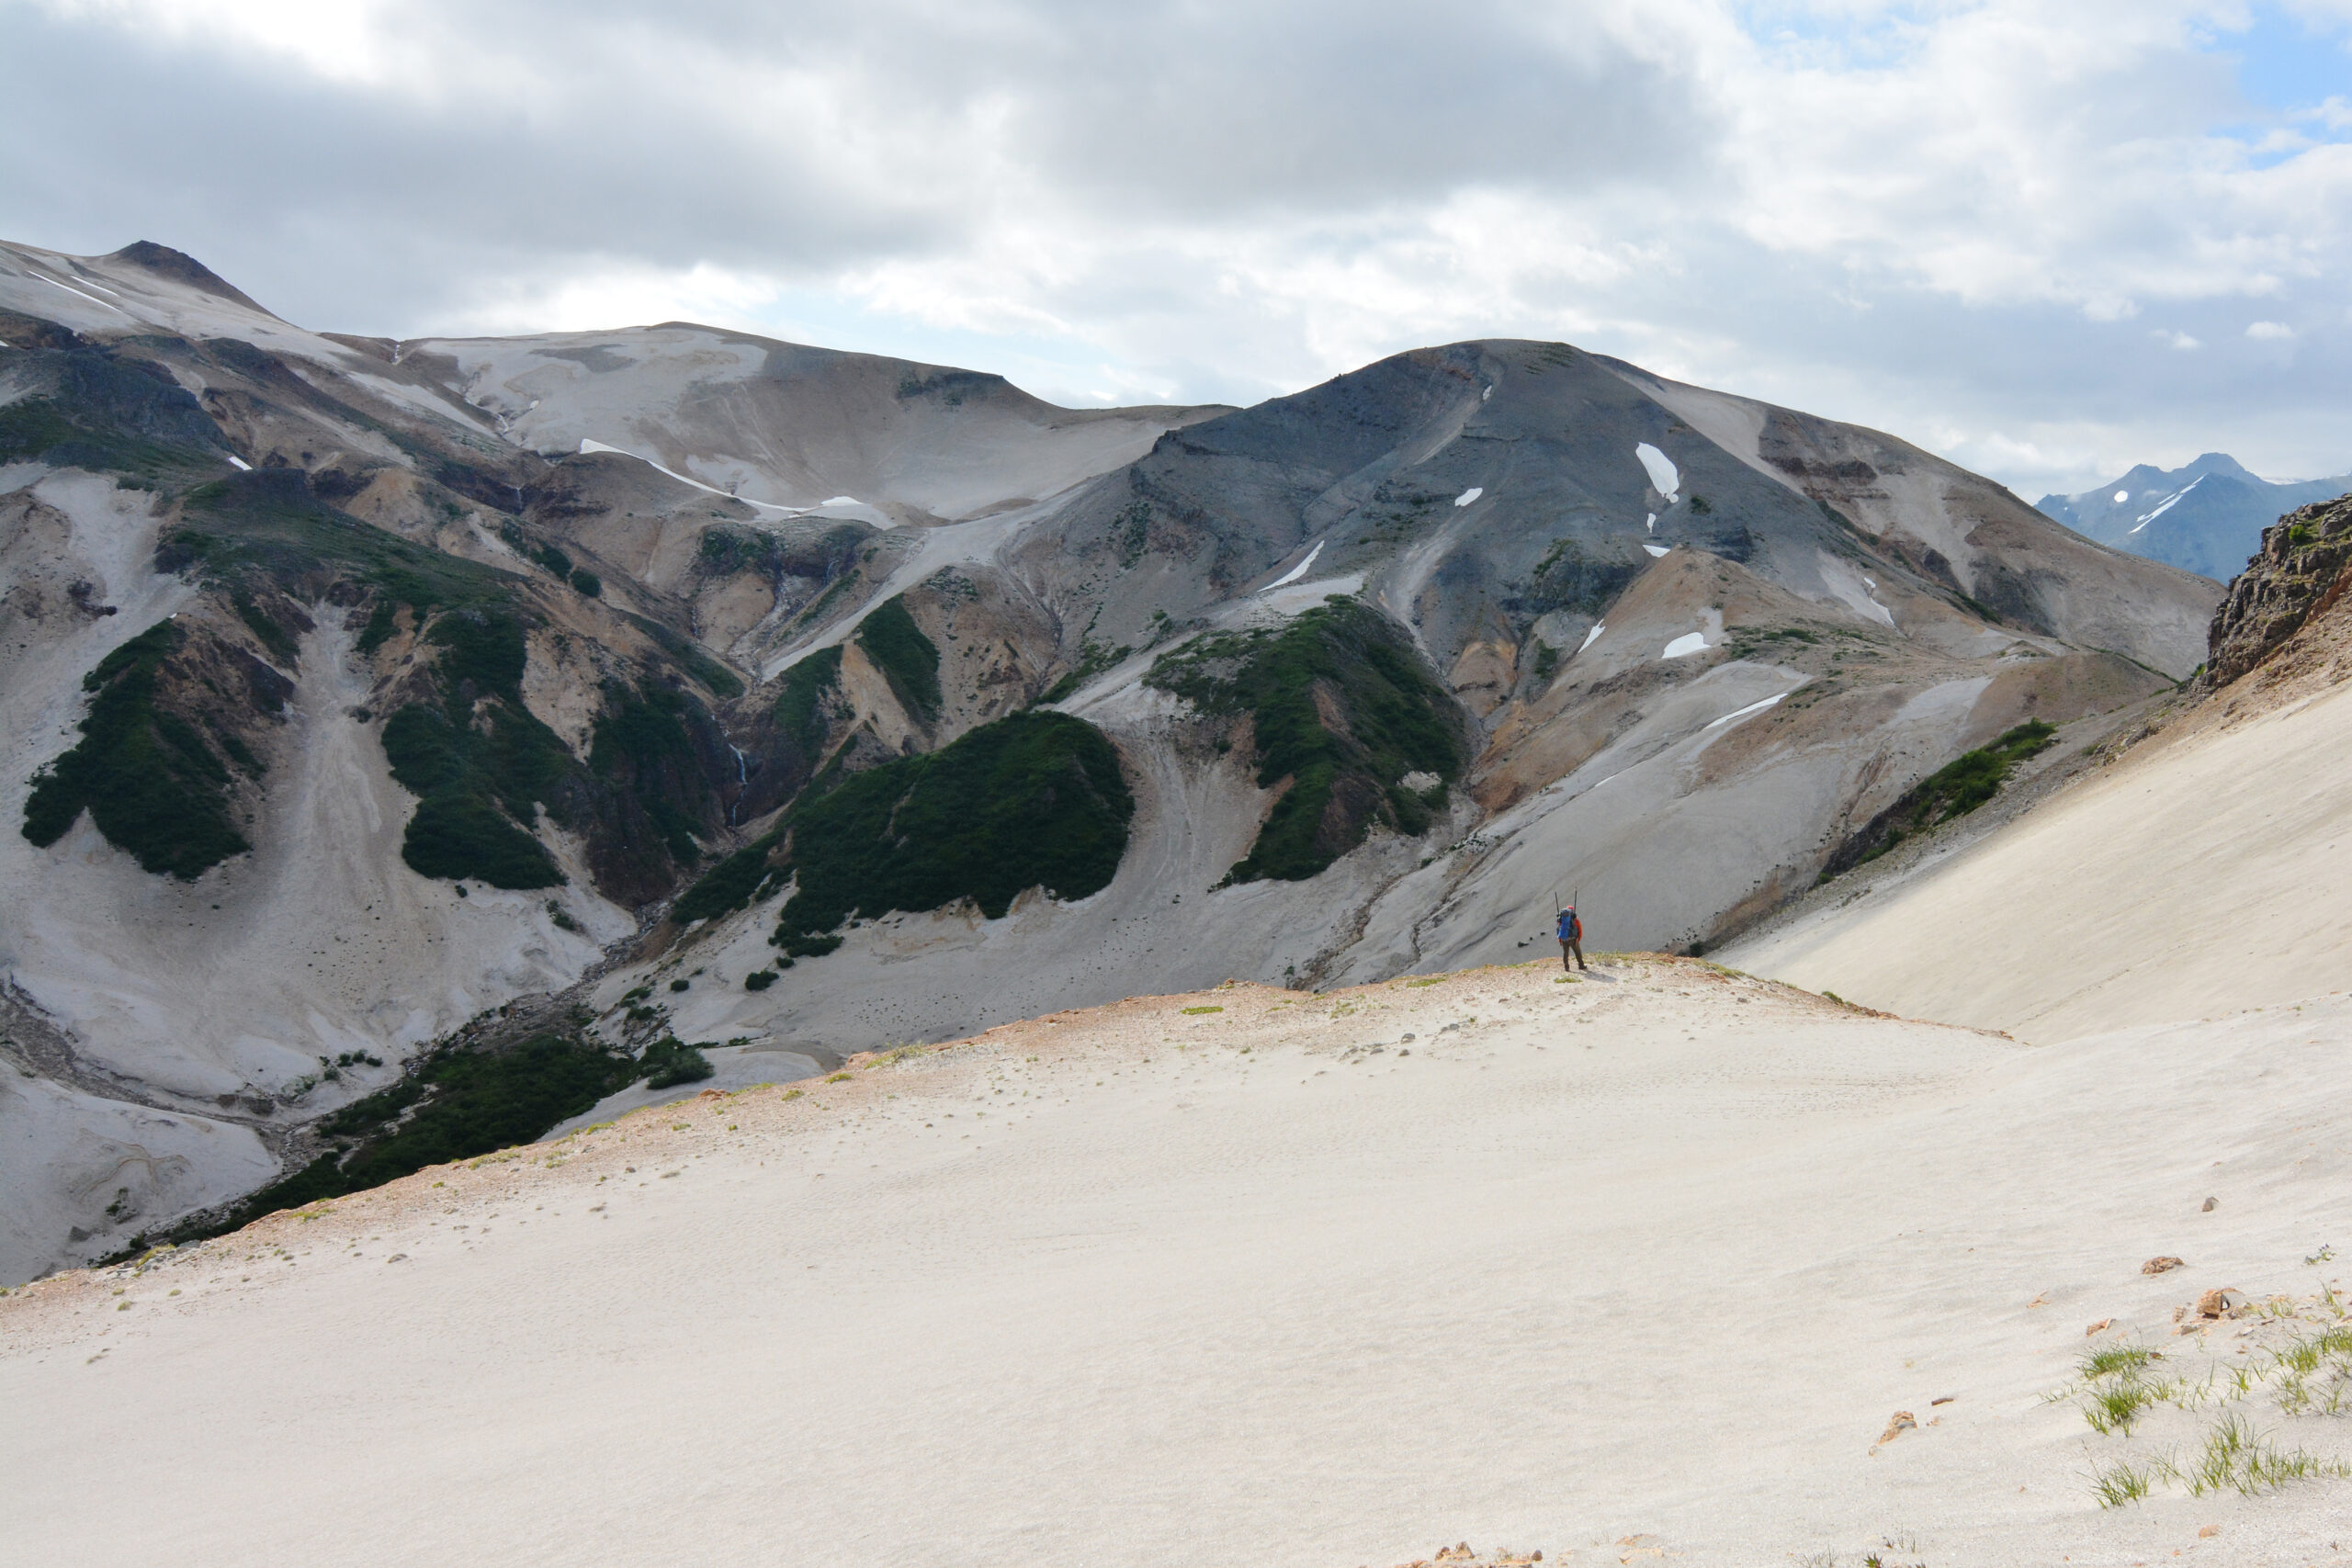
2205	517
1681	699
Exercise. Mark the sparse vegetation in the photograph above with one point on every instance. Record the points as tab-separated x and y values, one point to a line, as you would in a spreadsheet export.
1093	658
1954	790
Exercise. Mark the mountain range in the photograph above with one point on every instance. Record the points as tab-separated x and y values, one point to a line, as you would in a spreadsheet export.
419	743
2207	517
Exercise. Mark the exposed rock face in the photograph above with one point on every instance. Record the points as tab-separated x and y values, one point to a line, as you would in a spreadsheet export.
2300	572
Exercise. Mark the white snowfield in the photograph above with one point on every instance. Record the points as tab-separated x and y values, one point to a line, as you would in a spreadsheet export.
1655	1258
1294	573
1665	477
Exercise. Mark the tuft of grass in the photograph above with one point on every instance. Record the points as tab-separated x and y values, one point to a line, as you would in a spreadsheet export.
2114	1358
2236	1458
2120	1484
1190	1012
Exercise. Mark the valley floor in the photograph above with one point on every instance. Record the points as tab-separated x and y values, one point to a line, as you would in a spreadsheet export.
1637	1268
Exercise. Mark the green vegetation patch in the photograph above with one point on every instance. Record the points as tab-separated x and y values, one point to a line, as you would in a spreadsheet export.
644	746
1957	788
690	657
907	659
148	780
1387	718
114	416
735	882
270	526
671	1062
804	706
1034	800
1093	658
455	1104
479	763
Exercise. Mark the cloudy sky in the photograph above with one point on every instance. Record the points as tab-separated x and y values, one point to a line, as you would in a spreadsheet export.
2047	238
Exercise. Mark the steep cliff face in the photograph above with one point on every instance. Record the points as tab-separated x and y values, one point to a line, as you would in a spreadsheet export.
2300	574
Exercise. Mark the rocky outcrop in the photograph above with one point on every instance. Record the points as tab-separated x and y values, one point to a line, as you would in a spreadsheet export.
2301	573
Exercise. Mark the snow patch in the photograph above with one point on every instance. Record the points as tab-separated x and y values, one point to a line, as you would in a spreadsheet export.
1294	573
2121	496
1738	714
240	464
1487	394
1684	645
1593	636
842	501
590	447
79	295
1467	496
1649	524
1658	549
2149	517
1665	477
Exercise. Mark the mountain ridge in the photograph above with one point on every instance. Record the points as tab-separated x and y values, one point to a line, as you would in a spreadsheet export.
564	623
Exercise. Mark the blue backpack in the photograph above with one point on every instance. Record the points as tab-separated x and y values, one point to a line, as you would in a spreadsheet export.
1571	929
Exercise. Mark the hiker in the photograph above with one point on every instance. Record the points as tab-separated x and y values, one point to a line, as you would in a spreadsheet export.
1571	938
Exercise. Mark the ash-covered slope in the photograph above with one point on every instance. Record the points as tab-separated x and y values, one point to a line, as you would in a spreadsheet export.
961	708
2206	517
2207	870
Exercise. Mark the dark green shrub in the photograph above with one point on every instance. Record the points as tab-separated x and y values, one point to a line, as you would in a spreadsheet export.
1397	721
454	1104
646	747
803	707
731	885
1957	788
1034	800
670	1061
480	763
148	780
759	979
907	659
588	582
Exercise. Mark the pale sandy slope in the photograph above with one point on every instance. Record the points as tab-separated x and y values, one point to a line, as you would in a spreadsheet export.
2206	874
1655	1255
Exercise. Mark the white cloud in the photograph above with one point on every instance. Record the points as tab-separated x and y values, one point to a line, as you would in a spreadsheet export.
1946	220
2270	332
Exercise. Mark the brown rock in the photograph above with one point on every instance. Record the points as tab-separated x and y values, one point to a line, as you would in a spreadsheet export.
2160	1265
2210	1204
2221	1303
2209	1531
2102	1324
1901	1421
